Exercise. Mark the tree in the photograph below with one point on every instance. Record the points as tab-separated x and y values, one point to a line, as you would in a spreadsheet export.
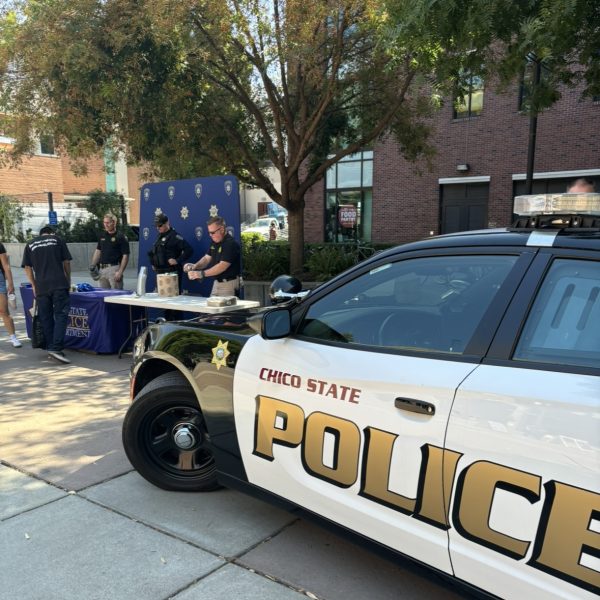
202	87
503	37
198	87
11	216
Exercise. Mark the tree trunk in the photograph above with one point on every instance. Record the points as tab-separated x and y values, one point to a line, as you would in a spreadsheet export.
296	237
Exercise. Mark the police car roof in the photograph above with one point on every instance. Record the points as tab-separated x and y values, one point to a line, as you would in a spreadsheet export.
504	237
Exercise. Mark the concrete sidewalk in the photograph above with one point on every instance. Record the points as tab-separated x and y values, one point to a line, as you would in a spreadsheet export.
77	522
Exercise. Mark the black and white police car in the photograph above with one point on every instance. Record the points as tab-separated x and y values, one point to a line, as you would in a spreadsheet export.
441	399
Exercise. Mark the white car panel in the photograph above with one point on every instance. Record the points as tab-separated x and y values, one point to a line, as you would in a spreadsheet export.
550	431
377	379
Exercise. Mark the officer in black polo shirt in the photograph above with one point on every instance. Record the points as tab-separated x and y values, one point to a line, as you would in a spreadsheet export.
110	256
222	261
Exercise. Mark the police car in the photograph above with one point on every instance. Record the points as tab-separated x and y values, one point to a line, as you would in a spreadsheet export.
441	399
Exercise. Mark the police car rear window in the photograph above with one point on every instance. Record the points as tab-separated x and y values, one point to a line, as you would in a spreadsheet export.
564	324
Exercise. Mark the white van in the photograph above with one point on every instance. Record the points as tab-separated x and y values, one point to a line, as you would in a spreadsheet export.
35	217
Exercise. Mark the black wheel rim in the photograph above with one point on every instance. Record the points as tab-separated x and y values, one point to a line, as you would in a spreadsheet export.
174	440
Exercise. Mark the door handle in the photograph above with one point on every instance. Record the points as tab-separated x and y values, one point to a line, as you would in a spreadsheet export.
412	405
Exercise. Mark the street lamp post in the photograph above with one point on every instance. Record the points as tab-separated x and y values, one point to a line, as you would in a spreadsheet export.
532	125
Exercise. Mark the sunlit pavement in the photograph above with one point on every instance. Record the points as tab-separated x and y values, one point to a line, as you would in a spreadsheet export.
77	522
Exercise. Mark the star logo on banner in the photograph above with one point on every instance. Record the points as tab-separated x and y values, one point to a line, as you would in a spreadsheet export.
214	211
220	354
158	211
185	213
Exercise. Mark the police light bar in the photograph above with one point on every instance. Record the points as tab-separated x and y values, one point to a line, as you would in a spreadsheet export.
557	204
557	211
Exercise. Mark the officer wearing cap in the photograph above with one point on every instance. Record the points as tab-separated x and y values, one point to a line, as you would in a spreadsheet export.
110	256
170	250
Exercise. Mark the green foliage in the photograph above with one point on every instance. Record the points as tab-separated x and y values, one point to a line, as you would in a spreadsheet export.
100	203
263	261
209	87
11	215
492	38
324	261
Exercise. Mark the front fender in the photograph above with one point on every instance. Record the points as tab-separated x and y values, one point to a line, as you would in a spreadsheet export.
151	365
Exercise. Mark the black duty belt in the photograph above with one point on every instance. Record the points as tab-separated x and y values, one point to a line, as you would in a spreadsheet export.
170	269
105	265
224	279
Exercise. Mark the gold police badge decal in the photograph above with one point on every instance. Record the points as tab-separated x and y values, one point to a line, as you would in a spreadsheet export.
220	354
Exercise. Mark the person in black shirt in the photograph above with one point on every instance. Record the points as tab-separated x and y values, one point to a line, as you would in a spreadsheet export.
111	255
46	261
170	250
222	261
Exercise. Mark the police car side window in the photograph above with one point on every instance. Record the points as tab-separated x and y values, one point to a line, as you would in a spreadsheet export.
426	303
563	325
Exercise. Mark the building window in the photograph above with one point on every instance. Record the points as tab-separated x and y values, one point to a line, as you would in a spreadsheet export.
471	103
47	144
556	185
349	199
528	82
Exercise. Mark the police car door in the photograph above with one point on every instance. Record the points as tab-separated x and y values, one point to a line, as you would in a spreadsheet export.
347	417
526	511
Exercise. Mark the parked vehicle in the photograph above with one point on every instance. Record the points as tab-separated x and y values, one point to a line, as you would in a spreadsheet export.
440	399
262	226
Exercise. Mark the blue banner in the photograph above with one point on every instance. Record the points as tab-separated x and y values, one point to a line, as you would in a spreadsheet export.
188	203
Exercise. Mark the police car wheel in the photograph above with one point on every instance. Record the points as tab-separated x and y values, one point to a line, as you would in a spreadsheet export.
165	437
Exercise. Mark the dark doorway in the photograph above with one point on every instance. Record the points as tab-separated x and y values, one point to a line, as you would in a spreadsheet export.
464	207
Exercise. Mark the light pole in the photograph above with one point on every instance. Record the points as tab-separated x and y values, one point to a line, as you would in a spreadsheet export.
533	117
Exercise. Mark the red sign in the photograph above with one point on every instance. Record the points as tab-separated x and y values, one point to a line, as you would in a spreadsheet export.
347	215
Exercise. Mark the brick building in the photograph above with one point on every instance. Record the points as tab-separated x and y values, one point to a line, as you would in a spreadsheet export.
480	165
45	171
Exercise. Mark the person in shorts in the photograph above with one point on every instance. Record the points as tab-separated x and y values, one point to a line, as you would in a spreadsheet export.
7	287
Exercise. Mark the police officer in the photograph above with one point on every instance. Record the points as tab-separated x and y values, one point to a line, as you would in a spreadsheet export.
170	250
110	256
222	261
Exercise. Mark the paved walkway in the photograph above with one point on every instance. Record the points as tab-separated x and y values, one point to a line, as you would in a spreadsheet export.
77	522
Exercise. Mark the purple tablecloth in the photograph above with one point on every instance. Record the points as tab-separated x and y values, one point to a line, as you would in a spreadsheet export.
93	324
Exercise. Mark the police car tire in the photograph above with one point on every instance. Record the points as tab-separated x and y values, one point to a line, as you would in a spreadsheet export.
161	407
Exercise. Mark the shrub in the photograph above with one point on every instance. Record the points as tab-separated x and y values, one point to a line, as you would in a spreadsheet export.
11	213
263	261
324	261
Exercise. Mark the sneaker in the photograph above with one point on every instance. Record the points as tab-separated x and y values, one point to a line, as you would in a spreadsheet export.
15	342
59	356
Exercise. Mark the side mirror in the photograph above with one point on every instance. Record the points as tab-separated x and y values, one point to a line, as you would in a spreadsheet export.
276	324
